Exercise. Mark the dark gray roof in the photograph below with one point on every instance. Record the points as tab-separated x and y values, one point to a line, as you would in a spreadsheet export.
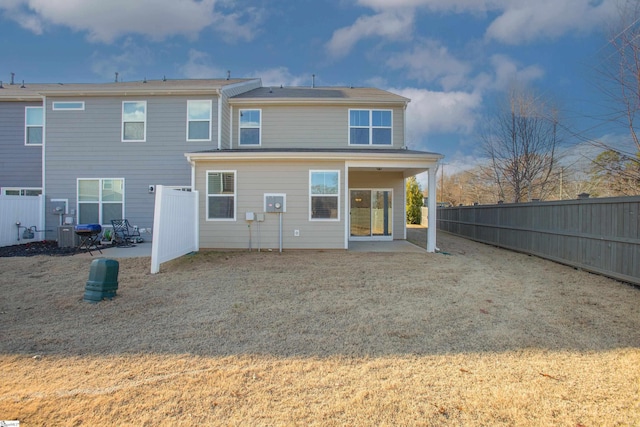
320	93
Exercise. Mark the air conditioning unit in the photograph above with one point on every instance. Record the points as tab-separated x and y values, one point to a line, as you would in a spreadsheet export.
67	237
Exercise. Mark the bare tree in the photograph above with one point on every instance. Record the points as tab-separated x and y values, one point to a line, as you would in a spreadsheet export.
521	141
619	80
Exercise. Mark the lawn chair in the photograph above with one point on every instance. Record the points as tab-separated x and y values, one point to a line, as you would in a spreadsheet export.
124	234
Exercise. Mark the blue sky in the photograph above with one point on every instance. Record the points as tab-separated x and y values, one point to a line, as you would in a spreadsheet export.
451	57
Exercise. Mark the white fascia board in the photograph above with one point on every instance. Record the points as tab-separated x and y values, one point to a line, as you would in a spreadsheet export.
315	101
358	159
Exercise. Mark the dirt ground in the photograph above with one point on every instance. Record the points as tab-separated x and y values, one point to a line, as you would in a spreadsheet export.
477	336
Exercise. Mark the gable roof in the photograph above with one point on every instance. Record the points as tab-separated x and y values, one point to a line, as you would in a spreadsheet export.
146	87
317	95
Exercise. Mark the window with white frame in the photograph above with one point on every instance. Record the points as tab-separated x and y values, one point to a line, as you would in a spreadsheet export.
67	105
33	125
134	121
250	127
370	127
221	195
100	200
199	120
17	191
324	195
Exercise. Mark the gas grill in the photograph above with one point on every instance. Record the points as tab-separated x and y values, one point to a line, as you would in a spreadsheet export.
89	236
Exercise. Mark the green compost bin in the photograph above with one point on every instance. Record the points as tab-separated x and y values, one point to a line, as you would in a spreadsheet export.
103	280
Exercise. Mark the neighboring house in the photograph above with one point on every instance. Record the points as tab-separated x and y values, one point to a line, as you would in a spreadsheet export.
108	145
333	158
21	136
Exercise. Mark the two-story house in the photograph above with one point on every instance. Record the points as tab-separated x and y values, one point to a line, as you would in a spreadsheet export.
300	167
335	158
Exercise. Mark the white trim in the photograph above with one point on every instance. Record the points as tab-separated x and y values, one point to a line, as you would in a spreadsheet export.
337	196
231	127
235	194
432	210
371	127
220	121
27	126
209	120
371	237
240	127
99	201
59	106
144	139
346	206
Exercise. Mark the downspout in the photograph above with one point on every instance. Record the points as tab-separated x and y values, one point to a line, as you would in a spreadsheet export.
231	127
404	130
43	221
219	119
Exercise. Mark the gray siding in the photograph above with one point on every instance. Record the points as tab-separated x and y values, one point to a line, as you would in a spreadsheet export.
226	93
309	126
87	144
259	177
20	165
384	180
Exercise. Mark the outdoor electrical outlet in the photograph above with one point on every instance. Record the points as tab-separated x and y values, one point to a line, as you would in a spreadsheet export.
296	233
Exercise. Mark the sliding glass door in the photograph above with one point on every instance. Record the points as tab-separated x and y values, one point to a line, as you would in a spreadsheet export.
371	214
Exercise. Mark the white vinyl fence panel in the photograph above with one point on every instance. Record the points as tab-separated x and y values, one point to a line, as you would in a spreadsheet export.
175	225
28	211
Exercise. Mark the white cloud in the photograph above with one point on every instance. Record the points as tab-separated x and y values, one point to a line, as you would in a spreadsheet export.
105	21
429	62
439	112
394	25
524	21
435	5
505	72
126	64
200	66
517	21
282	76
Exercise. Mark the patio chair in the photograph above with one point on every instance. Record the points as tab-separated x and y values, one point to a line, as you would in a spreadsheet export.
124	234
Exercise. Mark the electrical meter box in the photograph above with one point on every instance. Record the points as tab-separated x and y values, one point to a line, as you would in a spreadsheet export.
275	203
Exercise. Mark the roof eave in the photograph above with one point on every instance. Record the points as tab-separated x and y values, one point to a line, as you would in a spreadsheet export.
315	155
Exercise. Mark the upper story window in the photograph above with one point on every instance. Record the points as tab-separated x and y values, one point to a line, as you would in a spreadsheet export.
324	195
33	124
134	121
221	195
68	105
199	120
370	127
250	127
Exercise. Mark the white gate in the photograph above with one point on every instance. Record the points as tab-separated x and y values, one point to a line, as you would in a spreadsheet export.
26	210
175	225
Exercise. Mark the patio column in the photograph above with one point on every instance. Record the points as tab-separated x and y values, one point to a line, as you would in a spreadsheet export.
432	207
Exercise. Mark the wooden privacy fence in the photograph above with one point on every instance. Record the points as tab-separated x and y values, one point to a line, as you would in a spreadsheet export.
599	235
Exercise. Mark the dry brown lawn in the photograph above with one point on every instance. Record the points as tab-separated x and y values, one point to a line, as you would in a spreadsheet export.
481	336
